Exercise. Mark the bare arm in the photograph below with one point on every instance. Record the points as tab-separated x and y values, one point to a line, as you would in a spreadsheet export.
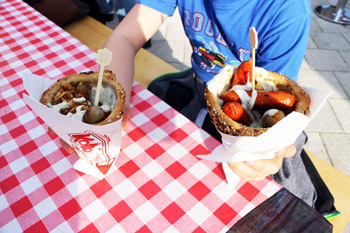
129	36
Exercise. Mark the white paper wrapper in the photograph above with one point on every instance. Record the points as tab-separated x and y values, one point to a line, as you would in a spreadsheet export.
282	134
97	146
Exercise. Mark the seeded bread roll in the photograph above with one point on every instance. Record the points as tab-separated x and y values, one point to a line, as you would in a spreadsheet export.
222	82
89	79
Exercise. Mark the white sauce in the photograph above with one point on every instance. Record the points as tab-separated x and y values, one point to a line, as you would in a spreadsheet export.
247	86
270	112
107	96
243	96
255	116
60	106
107	99
252	99
106	108
78	115
81	99
219	85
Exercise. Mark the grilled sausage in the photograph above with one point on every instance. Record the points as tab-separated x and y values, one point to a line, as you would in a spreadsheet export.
236	112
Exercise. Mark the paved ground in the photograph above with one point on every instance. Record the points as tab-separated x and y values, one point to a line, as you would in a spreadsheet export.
326	66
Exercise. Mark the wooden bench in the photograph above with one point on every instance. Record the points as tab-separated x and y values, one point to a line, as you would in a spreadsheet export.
339	185
93	34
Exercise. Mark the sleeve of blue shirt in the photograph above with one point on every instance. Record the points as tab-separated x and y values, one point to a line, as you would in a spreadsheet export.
166	6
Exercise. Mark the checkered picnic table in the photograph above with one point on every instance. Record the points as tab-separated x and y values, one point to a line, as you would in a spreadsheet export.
157	184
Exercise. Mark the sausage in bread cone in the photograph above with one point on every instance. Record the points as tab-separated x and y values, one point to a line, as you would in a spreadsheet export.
74	94
265	81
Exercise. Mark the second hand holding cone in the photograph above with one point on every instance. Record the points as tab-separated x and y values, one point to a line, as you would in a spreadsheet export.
96	113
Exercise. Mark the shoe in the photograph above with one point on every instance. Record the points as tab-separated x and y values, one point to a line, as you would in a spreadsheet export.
147	45
108	17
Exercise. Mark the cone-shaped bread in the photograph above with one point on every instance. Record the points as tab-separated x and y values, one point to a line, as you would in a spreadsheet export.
222	83
88	80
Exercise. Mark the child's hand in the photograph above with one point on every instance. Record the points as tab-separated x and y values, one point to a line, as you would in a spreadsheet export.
259	169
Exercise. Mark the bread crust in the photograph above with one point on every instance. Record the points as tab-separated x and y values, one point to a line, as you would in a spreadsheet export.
91	78
228	126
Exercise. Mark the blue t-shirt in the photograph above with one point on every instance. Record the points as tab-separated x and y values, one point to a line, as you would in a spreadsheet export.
218	31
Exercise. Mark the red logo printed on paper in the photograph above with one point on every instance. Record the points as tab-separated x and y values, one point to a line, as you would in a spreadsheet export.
94	148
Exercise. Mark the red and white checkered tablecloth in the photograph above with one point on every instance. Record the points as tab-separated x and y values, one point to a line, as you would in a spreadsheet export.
157	184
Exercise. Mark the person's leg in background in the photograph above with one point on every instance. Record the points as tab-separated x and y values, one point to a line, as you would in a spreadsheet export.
100	10
106	9
128	4
123	7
